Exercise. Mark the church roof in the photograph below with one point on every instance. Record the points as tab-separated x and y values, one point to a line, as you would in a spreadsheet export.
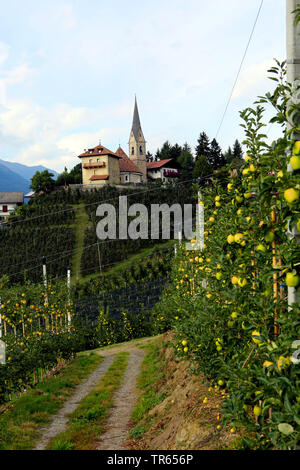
98	150
126	165
136	123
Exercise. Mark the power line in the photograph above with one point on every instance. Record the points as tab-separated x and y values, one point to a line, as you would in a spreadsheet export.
239	70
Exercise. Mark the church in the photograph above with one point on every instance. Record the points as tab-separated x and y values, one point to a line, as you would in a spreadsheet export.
101	166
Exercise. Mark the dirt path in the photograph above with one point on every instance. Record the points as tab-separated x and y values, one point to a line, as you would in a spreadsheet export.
125	398
117	424
59	420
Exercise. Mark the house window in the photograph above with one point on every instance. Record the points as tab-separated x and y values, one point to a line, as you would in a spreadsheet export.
98	161
141	150
91	160
126	178
4	209
132	150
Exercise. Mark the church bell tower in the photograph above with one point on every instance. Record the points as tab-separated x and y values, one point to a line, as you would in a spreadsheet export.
137	144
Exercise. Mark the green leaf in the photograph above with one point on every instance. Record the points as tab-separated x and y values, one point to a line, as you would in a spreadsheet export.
286	429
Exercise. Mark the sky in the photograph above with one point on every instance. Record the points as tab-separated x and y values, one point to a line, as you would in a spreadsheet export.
69	71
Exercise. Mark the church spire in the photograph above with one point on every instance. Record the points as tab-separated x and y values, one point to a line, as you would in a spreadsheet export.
136	123
137	143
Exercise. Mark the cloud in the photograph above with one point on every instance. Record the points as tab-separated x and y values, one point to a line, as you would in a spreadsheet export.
251	79
75	143
13	76
4	49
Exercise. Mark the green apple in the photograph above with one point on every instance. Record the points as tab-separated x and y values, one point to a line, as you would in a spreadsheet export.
295	162
269	237
292	279
296	148
291	195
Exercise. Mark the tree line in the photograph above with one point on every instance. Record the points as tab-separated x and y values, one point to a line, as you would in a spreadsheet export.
207	158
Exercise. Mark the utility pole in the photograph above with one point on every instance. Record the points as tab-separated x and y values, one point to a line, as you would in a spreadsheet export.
293	74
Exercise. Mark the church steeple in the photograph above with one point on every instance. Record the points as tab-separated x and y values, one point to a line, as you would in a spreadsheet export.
137	143
136	123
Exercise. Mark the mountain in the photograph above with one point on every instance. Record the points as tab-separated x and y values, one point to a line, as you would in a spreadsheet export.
10	181
25	171
17	177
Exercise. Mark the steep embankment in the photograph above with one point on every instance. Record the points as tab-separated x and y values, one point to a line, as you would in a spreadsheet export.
176	410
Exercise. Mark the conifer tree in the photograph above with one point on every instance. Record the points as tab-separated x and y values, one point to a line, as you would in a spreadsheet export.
237	150
186	161
203	147
228	155
215	157
202	168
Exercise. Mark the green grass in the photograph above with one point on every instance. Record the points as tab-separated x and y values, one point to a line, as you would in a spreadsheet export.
19	425
86	423
138	342
152	373
81	222
132	259
137	432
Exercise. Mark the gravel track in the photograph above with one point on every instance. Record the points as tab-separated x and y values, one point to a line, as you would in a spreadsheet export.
59	420
115	436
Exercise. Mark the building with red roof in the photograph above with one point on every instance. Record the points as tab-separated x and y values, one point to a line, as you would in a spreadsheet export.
129	172
101	166
163	169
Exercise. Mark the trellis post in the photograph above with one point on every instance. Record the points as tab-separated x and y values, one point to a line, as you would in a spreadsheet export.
45	279
200	215
2	352
69	292
1	333
293	77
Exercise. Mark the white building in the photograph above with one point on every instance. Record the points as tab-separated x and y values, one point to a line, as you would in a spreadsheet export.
163	169
9	202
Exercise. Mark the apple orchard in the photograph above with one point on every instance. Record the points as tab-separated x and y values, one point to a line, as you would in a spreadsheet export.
228	303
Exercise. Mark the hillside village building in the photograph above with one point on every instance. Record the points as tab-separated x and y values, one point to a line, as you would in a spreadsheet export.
163	169
9	201
101	166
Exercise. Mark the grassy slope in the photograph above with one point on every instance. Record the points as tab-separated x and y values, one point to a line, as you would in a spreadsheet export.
133	259
81	222
176	410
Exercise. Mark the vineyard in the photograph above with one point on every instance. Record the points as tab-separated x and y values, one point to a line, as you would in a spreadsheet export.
229	303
